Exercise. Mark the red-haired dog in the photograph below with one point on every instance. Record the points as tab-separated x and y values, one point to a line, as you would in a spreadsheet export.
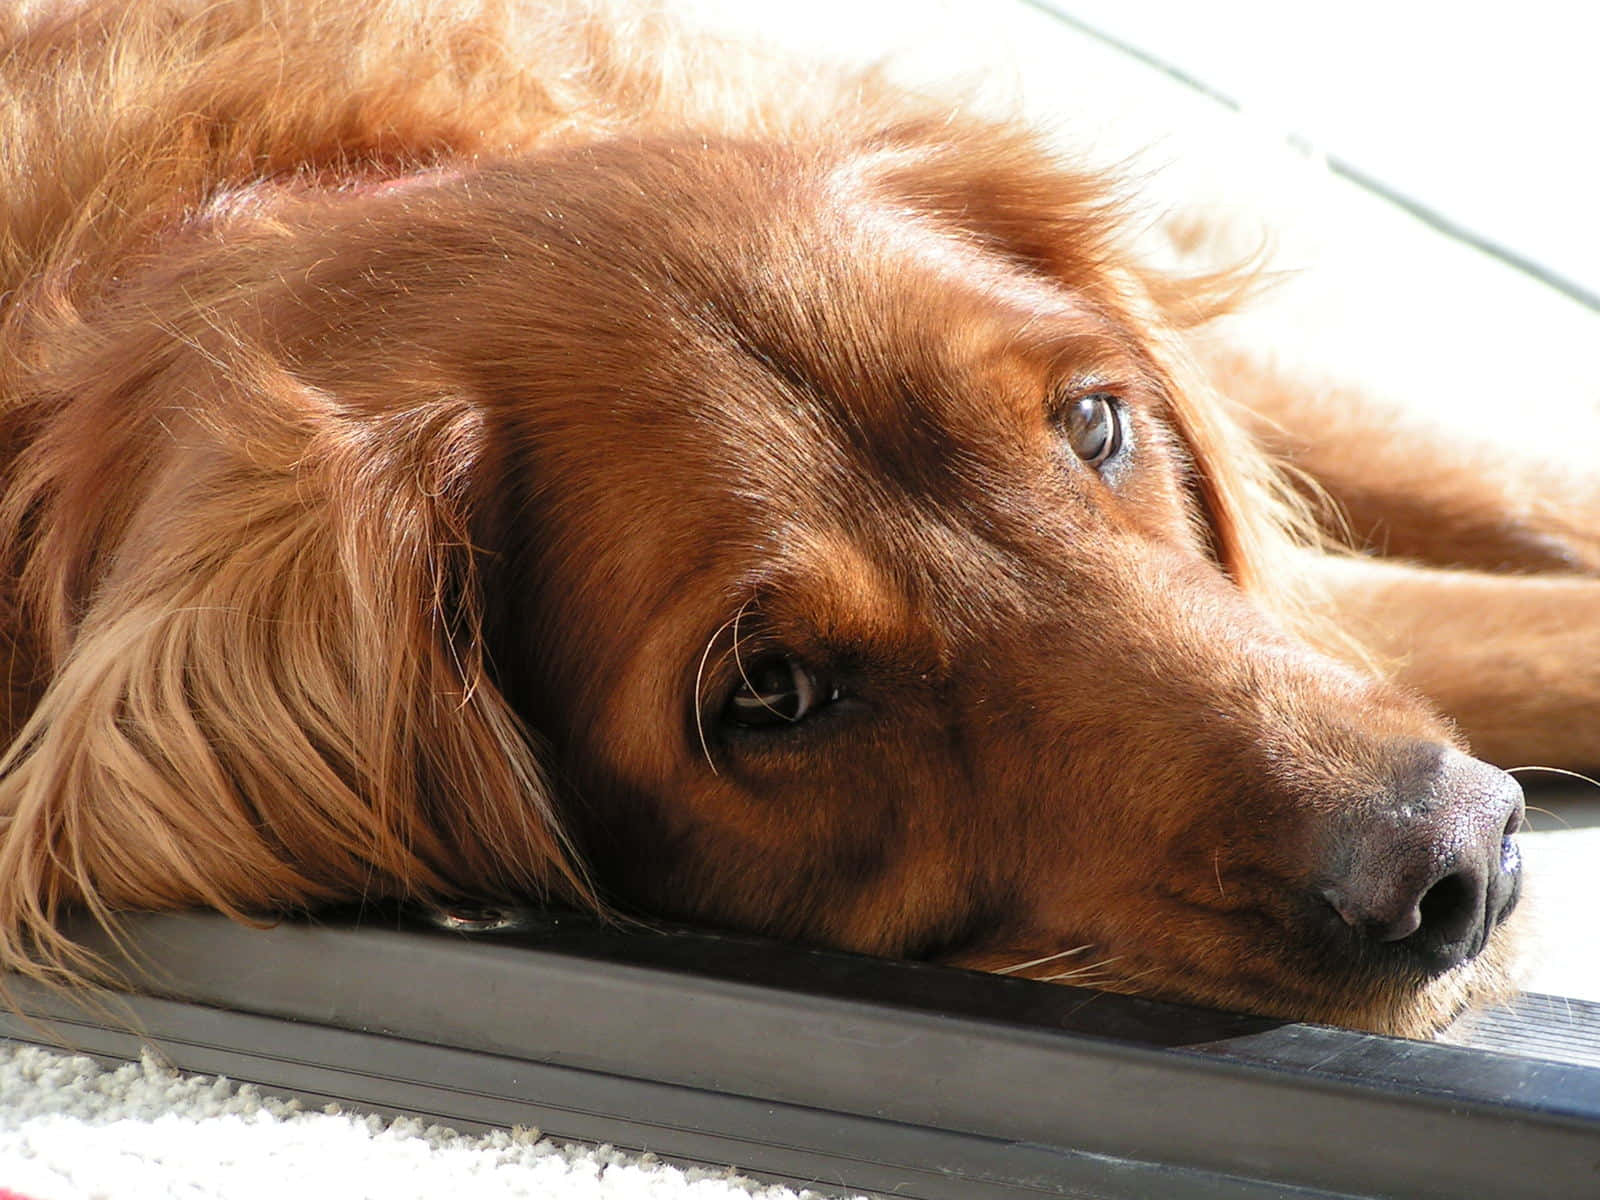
454	450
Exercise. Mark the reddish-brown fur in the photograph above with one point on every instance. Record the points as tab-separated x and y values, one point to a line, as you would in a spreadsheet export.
416	421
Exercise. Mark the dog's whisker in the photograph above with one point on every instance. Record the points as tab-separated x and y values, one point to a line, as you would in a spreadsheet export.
1090	976
1083	975
740	662
1551	813
700	674
1578	775
699	694
1095	975
1039	962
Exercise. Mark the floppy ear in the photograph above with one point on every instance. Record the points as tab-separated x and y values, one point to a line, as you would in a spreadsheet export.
1252	517
268	686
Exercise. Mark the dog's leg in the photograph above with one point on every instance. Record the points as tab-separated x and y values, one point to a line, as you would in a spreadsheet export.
1447	484
1515	660
1494	611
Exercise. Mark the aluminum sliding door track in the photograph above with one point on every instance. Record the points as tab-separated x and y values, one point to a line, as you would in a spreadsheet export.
839	1071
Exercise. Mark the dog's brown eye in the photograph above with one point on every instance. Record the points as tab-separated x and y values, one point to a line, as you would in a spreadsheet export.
1094	427
774	689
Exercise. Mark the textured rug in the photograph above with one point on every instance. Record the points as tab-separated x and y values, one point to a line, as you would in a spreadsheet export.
73	1130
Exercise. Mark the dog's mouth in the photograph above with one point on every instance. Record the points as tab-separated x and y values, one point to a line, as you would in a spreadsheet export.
1390	990
1398	916
1412	935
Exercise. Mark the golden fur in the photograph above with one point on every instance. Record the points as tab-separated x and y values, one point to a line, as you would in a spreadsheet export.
415	411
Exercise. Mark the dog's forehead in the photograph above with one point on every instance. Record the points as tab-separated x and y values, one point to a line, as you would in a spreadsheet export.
864	296
803	363
854	336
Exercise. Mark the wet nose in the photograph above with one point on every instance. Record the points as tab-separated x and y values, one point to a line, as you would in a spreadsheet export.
1432	867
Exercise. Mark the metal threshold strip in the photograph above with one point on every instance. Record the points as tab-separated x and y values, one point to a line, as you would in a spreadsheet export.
840	1071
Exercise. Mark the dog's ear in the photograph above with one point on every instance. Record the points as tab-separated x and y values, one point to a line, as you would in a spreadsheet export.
1250	516
267	684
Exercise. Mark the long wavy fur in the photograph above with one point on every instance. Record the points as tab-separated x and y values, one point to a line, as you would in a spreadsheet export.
247	662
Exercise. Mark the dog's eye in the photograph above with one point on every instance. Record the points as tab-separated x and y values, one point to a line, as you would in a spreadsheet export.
1094	427
774	690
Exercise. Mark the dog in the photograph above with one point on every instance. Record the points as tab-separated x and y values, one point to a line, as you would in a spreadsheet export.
478	450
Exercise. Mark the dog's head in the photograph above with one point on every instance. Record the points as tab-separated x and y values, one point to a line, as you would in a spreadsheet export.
827	541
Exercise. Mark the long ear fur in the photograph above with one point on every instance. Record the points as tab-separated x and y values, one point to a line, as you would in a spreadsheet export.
1252	517
268	682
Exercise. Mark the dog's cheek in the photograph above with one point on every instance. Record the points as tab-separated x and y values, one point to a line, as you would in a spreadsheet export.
863	845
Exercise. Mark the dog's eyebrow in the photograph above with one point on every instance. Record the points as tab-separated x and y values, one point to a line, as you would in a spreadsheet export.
1080	353
836	584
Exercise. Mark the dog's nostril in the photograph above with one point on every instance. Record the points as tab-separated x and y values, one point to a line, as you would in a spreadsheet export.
1451	908
1444	913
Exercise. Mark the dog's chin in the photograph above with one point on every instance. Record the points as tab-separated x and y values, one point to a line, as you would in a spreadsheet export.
1395	1004
1428	1009
1404	1008
1404	1005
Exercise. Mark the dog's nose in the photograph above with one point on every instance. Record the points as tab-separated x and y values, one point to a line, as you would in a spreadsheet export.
1433	868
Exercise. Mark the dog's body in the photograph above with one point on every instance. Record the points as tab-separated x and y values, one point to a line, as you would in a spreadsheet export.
454	452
